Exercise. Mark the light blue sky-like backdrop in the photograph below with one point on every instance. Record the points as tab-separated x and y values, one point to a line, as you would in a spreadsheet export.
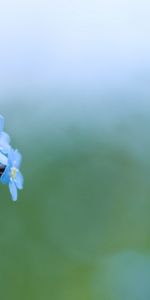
82	44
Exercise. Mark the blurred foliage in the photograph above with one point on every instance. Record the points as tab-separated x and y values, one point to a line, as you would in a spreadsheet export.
85	200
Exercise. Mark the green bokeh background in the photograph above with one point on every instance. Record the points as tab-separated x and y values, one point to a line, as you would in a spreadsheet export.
80	228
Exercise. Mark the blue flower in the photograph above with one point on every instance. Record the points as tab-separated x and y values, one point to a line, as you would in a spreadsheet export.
1	124
4	144
11	175
9	163
4	137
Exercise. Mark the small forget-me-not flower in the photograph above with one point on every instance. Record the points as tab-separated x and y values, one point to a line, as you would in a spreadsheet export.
10	161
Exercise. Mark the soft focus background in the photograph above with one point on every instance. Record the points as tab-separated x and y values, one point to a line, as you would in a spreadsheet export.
74	91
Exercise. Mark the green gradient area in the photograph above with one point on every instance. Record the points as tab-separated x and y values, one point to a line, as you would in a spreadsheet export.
80	229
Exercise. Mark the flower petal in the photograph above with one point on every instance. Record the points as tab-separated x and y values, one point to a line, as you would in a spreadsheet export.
11	155
4	137
4	147
19	180
1	123
17	158
3	159
13	190
5	178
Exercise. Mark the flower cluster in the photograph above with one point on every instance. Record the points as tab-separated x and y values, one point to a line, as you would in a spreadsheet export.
10	161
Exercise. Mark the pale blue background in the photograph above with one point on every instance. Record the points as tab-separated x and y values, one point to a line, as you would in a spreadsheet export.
74	44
